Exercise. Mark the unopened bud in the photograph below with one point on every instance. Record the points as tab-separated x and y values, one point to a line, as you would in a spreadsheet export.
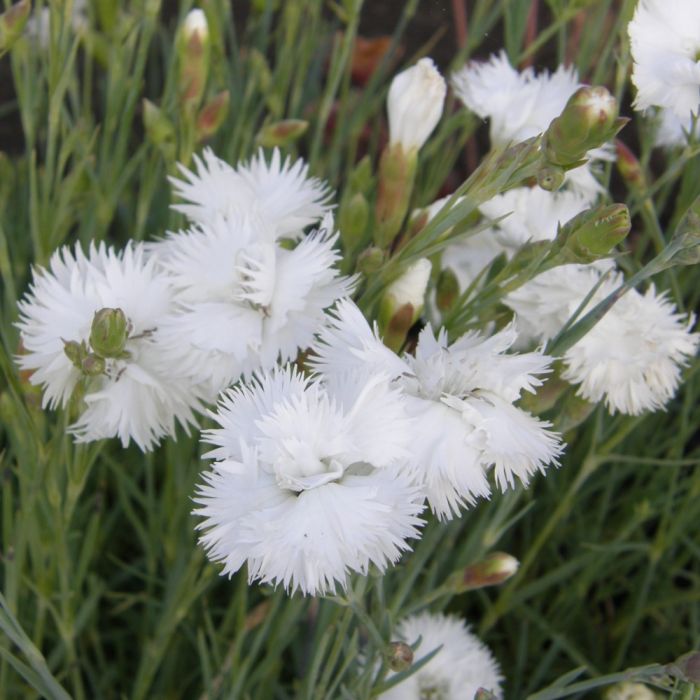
159	128
493	570
352	220
260	70
402	303
75	352
590	118
212	116
629	167
282	133
397	172
593	233
370	260
687	237
447	290
689	666
92	365
399	656
360	179
109	332
550	177
414	104
194	48
12	23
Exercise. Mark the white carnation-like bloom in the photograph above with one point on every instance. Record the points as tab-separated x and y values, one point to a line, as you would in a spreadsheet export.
461	397
306	487
139	396
665	45
415	103
246	302
632	358
521	105
462	666
279	192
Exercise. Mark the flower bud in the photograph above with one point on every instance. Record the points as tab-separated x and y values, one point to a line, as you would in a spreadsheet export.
689	666
109	332
629	167
92	365
367	54
212	116
75	352
12	23
414	104
159	129
370	260
194	48
352	220
399	656
397	172
447	289
493	570
282	133
402	303
550	177
590	118
592	234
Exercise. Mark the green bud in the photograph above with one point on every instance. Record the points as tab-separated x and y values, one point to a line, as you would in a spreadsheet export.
260	70
629	167
370	260
493	570
109	333
687	237
399	656
75	352
550	177
93	365
12	23
159	129
397	172
282	133
360	179
592	234
193	50
212	116
590	118
447	290
352	220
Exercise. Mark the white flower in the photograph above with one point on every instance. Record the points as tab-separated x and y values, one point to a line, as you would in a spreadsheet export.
461	397
281	192
414	104
665	46
672	131
462	666
306	487
631	358
140	396
521	105
245	301
410	287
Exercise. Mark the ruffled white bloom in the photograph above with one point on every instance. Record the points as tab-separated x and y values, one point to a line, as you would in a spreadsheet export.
414	104
139	397
245	301
665	45
463	665
672	131
520	105
632	358
461	397
281	193
305	486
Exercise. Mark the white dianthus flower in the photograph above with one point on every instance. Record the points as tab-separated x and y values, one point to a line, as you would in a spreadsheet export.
631	358
462	666
461	397
414	104
665	46
305	487
520	105
139	396
280	192
245	301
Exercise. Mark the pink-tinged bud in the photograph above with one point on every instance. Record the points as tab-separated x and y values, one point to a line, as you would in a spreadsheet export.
447	290
414	104
399	656
493	570
12	23
194	49
212	115
629	167
397	172
282	133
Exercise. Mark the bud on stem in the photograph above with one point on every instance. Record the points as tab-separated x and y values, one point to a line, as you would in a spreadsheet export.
193	48
399	656
212	116
282	133
12	23
109	333
493	570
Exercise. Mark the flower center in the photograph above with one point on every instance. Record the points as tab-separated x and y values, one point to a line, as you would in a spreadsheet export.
300	468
